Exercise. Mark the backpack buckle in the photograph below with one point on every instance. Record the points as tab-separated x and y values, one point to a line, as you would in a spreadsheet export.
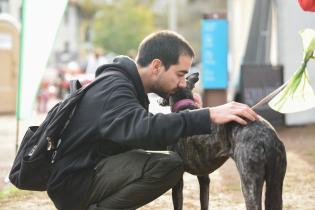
53	157
50	145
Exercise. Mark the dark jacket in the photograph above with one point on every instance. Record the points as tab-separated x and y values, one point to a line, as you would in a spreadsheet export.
112	118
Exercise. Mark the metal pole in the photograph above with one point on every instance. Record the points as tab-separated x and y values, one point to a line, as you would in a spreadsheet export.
17	135
258	45
269	97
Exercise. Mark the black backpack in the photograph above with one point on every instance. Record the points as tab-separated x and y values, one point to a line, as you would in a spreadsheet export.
33	163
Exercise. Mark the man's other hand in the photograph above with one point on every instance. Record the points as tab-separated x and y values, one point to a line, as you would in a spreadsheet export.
232	111
198	100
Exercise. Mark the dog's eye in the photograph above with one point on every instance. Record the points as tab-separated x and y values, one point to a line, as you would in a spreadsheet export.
163	102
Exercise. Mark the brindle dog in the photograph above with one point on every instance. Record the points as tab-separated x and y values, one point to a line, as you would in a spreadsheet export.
256	149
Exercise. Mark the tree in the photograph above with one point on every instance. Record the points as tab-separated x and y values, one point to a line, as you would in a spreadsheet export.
119	27
87	9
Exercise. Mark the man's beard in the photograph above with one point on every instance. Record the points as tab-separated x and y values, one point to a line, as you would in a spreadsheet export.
164	97
158	90
162	94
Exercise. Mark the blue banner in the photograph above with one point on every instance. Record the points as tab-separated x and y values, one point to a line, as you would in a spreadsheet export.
214	51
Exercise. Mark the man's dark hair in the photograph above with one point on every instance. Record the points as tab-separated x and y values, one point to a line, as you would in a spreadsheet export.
164	45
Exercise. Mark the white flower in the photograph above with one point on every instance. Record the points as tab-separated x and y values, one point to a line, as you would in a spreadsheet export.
298	94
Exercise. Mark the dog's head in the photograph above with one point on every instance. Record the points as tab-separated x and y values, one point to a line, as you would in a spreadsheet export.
183	98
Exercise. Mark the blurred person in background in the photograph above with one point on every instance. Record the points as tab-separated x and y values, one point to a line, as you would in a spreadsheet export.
95	60
43	97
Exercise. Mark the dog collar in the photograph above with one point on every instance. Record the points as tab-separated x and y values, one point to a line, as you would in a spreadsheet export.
182	103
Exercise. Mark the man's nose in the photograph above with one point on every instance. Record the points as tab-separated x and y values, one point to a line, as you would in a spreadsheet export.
182	83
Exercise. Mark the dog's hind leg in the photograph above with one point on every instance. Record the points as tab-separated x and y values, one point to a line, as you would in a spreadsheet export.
252	185
274	182
177	195
204	182
250	162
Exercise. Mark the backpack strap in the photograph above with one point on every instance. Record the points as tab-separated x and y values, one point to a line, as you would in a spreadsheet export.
100	78
77	89
74	86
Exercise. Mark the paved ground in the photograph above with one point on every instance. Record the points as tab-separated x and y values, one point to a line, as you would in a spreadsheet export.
8	132
299	186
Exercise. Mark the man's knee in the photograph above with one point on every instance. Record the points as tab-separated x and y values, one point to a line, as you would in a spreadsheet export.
177	165
165	164
176	162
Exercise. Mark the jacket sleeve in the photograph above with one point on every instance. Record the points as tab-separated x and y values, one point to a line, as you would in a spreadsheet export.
125	121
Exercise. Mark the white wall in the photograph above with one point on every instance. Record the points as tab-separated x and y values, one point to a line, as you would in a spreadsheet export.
68	31
239	20
291	18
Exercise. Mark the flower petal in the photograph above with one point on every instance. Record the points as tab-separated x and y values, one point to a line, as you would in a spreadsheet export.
308	38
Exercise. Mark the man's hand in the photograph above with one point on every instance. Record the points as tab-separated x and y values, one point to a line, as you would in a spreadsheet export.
232	111
198	100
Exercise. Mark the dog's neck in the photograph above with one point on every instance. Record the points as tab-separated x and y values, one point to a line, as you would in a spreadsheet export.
183	104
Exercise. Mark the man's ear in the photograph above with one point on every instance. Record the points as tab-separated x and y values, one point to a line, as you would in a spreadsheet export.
192	79
156	65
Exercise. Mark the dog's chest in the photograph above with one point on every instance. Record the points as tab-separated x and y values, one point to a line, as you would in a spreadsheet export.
202	154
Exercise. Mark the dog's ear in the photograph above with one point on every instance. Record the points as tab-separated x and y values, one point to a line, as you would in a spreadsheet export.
192	80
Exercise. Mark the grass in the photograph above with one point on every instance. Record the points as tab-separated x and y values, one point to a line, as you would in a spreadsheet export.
12	198
9	192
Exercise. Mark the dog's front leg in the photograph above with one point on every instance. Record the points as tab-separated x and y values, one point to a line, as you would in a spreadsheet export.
204	182
177	195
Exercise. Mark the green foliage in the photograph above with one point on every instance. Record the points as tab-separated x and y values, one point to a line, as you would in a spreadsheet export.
121	26
8	192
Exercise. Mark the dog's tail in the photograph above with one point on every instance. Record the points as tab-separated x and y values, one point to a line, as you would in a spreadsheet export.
275	172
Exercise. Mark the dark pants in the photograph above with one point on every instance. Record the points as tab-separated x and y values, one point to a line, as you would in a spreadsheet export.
133	179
